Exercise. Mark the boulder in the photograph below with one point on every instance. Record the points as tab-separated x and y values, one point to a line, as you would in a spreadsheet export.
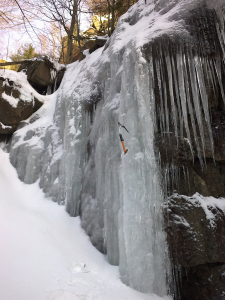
96	22
100	23
195	229
42	74
99	42
90	45
13	109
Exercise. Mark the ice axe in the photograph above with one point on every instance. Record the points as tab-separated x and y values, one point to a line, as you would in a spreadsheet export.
121	137
121	125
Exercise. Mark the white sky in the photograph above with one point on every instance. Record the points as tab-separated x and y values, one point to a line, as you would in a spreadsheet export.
11	39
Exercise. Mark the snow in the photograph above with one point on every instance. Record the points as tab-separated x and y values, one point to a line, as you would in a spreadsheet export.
208	204
45	255
43	119
11	100
56	65
4	126
154	20
27	92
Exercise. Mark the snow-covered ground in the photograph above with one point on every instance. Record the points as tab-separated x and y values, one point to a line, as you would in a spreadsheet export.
45	254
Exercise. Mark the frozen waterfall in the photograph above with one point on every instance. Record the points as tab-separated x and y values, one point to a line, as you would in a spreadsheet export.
151	77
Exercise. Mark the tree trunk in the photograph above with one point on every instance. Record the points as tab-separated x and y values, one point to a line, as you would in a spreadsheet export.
70	33
128	4
14	63
78	32
113	16
108	17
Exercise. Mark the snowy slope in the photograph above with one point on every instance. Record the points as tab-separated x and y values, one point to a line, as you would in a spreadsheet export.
45	254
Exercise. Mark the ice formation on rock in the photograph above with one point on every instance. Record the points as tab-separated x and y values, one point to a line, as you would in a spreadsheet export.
149	72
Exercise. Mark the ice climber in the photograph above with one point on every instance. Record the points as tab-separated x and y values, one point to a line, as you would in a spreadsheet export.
121	138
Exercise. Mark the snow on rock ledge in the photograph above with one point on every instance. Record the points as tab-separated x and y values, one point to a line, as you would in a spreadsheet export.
18	100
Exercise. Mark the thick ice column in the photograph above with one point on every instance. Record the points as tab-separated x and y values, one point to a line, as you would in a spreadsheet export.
107	162
142	240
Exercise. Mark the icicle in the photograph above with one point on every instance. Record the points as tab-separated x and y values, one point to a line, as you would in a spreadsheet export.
55	83
196	101
183	99
204	98
191	112
166	110
210	74
181	133
162	112
221	36
217	65
49	90
173	106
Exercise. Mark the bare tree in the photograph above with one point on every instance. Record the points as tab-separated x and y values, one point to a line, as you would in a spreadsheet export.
65	13
112	8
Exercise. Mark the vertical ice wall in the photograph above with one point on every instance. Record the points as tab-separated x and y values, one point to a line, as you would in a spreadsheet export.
118	197
142	240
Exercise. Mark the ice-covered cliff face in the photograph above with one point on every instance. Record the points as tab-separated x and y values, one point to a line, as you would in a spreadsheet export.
143	78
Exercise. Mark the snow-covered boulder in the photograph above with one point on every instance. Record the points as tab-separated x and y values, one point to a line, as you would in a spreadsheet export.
18	100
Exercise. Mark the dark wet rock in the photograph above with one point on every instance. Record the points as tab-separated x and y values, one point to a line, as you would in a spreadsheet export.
196	231
207	180
5	129
196	237
99	42
203	282
173	150
41	74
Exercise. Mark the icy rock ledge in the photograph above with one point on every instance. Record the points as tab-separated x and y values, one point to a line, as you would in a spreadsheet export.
196	236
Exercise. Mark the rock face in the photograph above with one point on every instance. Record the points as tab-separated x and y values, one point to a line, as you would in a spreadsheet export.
206	281
196	230
42	74
190	138
196	235
100	23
